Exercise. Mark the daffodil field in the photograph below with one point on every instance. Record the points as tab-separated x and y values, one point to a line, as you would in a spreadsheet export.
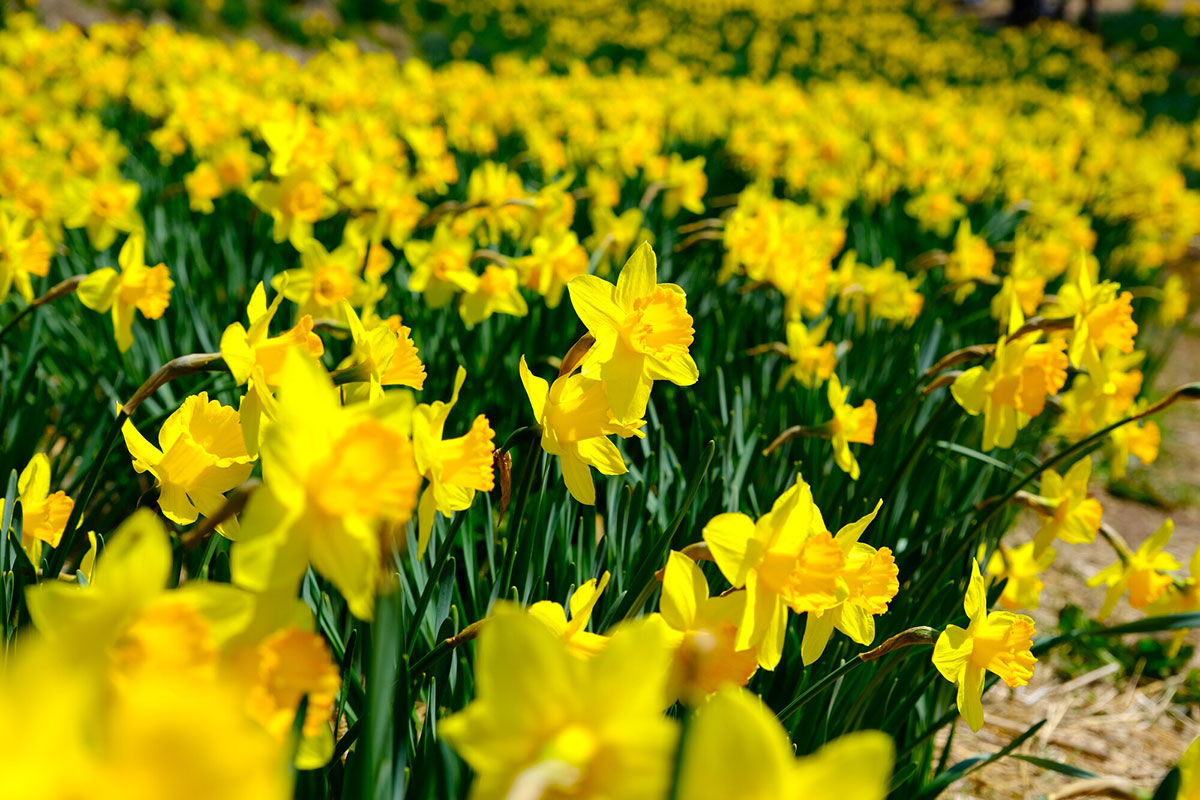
613	400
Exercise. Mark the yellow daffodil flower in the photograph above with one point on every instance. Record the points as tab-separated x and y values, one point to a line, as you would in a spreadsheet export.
243	349
386	356
323	281
642	331
813	358
1141	573
787	559
580	640
849	424
1182	596
43	515
971	261
441	267
332	476
871	579
455	468
1013	389
104	207
1071	515
554	260
707	657
1175	301
613	235
496	292
576	422
1021	568
294	203
290	664
130	622
135	286
1103	318
995	641
736	747
24	254
201	455
545	723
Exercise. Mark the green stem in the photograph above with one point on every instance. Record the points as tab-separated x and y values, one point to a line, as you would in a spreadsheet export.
59	557
435	576
524	486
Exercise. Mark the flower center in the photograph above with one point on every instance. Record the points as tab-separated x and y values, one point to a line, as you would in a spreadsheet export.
808	580
148	288
332	284
293	663
370	473
1004	648
659	325
108	201
305	200
167	638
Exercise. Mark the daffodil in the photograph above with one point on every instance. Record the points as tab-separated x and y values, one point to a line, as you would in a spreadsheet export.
576	423
1175	301
1020	568
995	641
1013	389
614	235
43	515
1141	573
642	331
1141	439
736	747
849	424
290	664
385	355
581	641
707	657
323	281
871	579
1182	596
104	206
813	358
553	261
201	454
295	204
441	267
455	468
545	723
243	349
1103	318
24	254
129	622
1070	514
496	292
788	559
135	286
333	476
971	261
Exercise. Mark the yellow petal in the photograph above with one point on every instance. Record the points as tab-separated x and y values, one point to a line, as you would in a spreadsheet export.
684	590
638	277
730	538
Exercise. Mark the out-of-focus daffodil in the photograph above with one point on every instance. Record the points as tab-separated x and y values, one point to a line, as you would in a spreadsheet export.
496	292
323	281
1021	568
995	641
544	722
707	657
332	476
736	747
813	358
135	286
642	331
1072	516
574	628
1141	573
24	254
244	349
